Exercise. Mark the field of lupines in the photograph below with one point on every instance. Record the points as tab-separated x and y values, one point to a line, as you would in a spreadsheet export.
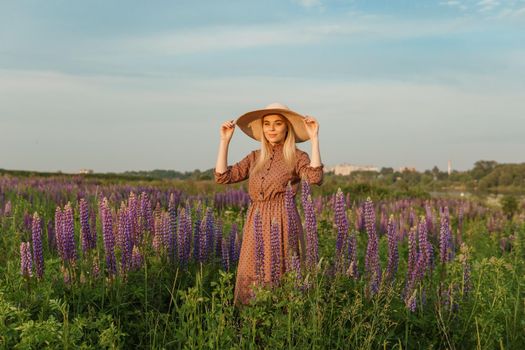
87	264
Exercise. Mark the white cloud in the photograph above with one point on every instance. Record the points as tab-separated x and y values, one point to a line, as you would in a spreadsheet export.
223	38
487	5
512	13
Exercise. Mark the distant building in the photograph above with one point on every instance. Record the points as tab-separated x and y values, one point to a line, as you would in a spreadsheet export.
347	169
85	171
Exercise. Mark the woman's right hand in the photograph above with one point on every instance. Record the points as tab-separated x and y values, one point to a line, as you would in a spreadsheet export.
227	129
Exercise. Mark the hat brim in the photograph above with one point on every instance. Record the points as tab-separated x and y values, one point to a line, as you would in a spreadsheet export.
250	123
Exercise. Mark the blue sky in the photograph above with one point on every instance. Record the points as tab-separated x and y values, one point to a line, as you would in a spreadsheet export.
130	85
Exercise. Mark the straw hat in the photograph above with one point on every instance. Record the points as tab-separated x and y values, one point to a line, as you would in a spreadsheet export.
252	126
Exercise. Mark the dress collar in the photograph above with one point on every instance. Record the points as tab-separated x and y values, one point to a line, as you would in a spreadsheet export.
277	147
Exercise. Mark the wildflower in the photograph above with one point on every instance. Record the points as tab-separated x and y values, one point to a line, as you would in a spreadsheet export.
372	265
445	241
59	228
312	246
351	247
85	234
37	246
233	253
136	259
68	234
109	239
393	255
341	222
26	261
425	249
296	268
225	255
218	238
125	241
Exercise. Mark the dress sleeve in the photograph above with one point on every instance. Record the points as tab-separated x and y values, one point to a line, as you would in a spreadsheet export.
314	175
237	172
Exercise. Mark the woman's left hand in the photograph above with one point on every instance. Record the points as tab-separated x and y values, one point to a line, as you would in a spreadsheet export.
312	126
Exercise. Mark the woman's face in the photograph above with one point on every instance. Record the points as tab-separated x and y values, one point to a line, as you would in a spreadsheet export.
274	128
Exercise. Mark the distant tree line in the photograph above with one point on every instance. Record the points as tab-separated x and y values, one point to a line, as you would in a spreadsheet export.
487	176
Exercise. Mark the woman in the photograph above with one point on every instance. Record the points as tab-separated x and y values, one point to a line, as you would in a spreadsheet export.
269	170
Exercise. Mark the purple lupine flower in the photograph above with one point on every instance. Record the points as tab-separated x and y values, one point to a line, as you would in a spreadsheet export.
133	213
305	191
275	252
145	212
292	220
225	255
429	219
312	245
59	229
445	240
209	232
412	218
136	259
341	222
296	268
234	257
70	251
37	246
425	248
157	237
197	233
218	238
412	271
93	229
26	261
351	246
459	236
259	248
109	239
85	234
372	266
202	241
125	241
165	229
393	255
172	210
28	221
184	234
413	259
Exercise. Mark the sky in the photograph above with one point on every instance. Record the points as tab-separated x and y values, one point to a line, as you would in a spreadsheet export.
135	85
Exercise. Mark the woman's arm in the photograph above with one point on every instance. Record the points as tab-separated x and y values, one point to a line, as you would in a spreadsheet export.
227	129
312	127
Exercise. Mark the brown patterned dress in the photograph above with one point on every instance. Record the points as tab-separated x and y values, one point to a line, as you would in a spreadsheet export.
267	191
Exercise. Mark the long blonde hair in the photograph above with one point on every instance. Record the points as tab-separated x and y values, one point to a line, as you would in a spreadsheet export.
266	149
